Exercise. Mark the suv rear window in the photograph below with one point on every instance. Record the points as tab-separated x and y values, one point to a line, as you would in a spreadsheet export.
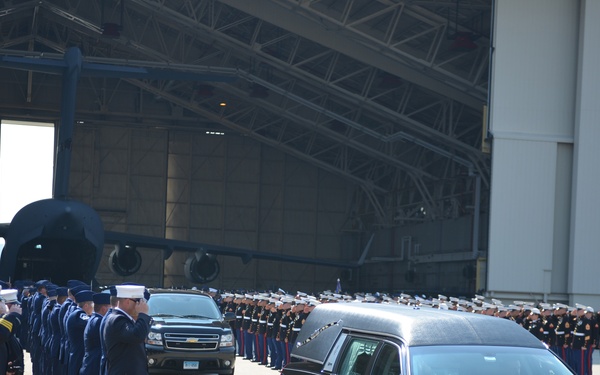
183	305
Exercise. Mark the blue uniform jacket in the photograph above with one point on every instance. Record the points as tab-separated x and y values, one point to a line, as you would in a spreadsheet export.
64	354
56	335
91	340
45	331
75	326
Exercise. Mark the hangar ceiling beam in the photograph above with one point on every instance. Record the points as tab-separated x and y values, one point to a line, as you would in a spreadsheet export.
380	26
227	122
346	129
286	18
303	67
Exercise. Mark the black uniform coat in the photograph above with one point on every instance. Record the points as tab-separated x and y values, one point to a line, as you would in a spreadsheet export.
124	342
9	325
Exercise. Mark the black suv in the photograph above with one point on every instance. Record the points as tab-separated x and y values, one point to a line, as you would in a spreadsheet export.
189	334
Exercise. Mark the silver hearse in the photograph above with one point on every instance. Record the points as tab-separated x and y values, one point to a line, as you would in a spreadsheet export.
378	339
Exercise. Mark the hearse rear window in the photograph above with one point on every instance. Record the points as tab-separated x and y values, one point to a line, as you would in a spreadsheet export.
357	355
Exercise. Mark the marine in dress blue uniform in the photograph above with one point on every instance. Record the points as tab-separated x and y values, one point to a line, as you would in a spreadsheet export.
272	328
562	330
91	336
536	326
247	327
239	320
285	320
75	326
124	336
584	337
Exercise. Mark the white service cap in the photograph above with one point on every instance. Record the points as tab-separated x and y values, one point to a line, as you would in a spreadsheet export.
9	295
130	291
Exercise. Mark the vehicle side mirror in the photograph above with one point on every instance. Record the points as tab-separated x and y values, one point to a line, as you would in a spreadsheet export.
229	316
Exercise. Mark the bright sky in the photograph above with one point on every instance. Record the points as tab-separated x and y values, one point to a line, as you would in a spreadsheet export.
26	165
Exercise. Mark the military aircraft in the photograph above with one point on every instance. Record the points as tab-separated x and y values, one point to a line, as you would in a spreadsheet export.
61	239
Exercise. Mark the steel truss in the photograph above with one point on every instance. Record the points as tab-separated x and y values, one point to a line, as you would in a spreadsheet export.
403	121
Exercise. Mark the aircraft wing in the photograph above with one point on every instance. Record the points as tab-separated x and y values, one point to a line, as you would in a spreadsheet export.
170	245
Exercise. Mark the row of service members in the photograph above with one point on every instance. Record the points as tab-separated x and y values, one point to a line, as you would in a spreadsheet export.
74	331
572	335
266	327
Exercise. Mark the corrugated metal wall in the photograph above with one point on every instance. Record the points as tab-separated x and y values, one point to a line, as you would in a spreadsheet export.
532	113
225	190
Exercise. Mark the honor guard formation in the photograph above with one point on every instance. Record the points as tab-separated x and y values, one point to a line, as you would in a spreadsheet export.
73	330
267	323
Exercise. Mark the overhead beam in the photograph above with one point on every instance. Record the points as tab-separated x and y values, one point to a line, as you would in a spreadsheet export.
286	19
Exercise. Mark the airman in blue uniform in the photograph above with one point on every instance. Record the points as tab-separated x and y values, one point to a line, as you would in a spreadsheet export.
75	326
35	325
73	287
45	330
65	316
91	335
55	367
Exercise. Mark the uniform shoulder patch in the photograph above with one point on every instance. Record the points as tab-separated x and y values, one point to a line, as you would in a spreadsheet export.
567	325
83	316
587	327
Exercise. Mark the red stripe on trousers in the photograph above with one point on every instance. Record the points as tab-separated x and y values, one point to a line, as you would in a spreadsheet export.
264	358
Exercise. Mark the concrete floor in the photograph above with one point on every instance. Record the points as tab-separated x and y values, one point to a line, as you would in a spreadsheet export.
244	367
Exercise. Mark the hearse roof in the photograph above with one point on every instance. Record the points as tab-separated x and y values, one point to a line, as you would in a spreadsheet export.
414	327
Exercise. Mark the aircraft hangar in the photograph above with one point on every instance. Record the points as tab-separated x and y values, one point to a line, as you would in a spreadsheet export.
440	146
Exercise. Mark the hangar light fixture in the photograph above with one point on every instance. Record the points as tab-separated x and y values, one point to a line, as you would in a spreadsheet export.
111	29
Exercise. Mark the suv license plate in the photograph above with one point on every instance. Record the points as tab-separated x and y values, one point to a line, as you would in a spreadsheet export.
191	365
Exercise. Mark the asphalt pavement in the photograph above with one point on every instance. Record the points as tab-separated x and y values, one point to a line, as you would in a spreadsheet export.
245	367
242	367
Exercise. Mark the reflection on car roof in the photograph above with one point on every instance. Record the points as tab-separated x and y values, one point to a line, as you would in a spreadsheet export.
415	327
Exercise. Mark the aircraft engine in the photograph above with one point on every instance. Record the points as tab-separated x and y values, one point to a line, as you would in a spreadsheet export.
124	260
202	268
